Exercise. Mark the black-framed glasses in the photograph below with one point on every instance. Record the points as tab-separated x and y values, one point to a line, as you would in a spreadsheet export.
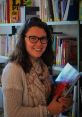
34	39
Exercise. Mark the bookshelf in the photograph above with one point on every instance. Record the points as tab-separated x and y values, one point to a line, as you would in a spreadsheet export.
57	26
73	28
10	24
3	59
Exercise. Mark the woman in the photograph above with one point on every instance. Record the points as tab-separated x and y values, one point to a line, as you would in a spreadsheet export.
25	79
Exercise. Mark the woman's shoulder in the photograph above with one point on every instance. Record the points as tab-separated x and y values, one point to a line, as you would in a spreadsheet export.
12	75
12	69
12	66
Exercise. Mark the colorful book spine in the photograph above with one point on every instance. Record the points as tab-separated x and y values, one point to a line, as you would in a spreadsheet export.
8	10
80	10
14	11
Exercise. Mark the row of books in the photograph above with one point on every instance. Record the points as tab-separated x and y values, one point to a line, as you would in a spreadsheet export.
65	49
7	44
10	10
47	10
64	9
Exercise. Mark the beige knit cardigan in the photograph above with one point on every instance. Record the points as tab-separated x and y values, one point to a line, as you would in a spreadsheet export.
23	94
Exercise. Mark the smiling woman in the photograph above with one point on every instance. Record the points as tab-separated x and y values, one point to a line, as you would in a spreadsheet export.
25	79
36	42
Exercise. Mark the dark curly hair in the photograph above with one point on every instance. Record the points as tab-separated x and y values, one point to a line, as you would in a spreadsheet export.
21	56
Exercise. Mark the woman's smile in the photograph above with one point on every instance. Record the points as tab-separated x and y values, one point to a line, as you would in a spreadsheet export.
36	41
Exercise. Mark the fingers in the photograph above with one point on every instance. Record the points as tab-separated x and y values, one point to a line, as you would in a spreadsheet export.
66	102
55	107
59	105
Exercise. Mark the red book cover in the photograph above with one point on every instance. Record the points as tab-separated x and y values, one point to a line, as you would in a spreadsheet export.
61	88
8	11
66	80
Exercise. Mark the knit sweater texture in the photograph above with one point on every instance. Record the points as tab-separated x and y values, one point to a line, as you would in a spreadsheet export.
24	95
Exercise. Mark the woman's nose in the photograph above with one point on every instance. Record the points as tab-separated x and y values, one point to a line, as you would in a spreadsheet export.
39	42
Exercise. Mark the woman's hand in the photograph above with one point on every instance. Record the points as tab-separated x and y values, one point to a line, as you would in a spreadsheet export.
60	105
55	107
66	102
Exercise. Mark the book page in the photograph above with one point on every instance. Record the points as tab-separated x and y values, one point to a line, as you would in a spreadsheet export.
66	80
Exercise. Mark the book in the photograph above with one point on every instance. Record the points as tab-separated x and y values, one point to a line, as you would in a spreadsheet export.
80	10
65	47
63	7
1	99
28	12
8	11
66	10
27	2
50	10
56	9
71	11
14	10
2	11
66	80
74	102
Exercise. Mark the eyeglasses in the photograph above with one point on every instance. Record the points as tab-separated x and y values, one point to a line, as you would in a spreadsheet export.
34	39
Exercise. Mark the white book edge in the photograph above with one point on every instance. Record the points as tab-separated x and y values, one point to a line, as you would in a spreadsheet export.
66	11
68	75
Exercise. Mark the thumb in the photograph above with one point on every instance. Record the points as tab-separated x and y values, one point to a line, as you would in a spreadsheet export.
55	98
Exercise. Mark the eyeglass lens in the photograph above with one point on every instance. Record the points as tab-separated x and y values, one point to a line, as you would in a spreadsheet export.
34	39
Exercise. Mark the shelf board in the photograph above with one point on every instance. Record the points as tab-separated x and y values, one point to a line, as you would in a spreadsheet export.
11	24
5	29
62	23
49	23
80	22
3	59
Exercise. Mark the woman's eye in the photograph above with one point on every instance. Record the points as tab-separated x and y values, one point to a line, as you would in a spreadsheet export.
33	38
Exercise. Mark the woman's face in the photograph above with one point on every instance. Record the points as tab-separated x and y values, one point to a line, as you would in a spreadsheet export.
36	41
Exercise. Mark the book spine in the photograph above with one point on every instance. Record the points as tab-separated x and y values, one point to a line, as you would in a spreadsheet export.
80	10
56	10
1	12
66	11
74	101
8	10
14	11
